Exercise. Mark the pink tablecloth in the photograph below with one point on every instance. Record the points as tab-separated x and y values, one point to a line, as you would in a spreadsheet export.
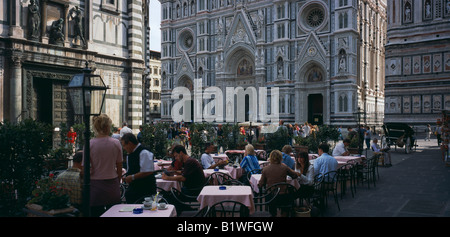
235	172
168	184
218	157
254	180
208	172
160	164
126	210
212	194
357	159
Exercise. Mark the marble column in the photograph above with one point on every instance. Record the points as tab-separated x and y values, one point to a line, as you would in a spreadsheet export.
16	87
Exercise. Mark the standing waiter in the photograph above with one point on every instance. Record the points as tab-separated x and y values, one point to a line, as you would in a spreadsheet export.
140	174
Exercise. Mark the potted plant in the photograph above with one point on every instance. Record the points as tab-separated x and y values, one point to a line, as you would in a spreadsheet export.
49	197
353	148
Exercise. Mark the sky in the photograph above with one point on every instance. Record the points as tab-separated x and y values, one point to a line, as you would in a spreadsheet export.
155	25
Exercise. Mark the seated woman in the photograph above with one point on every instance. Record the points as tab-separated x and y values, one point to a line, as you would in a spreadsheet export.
249	163
305	172
276	171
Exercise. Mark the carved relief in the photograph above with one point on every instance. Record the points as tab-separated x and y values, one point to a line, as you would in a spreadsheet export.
437	63
407	65
406	104
426	64
426	104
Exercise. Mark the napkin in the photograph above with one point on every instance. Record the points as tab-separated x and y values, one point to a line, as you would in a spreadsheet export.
126	209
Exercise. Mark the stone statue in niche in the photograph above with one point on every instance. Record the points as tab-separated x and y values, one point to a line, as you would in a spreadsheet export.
342	66
428	9
407	13
34	20
56	35
280	67
77	16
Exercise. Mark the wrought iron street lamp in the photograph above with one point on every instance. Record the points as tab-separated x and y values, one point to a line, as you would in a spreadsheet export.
87	93
360	136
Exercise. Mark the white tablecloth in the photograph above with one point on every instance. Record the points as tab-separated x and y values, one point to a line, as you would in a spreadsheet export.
126	210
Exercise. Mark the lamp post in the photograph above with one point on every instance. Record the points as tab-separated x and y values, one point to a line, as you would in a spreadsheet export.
87	93
360	136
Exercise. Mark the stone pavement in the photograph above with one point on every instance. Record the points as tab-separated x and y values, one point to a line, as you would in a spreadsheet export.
417	185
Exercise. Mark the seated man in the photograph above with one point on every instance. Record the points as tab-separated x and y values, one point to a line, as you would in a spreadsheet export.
72	180
207	161
324	163
340	149
385	151
192	176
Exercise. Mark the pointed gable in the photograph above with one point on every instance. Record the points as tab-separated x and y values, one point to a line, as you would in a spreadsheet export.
240	31
313	50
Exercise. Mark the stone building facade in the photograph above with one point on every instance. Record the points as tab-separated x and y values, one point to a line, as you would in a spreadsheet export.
417	61
324	56
152	99
41	48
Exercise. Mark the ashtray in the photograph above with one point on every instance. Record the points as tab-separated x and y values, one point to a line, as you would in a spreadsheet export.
222	187
138	210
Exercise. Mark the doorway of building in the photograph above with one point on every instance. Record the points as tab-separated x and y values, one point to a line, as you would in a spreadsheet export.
43	91
315	109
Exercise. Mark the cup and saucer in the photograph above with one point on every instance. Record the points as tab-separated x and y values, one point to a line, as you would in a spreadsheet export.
147	204
162	206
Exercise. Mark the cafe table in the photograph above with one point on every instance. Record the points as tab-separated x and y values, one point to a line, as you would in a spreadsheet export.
167	185
255	178
340	163
161	164
357	159
263	163
208	172
126	210
213	194
219	157
235	171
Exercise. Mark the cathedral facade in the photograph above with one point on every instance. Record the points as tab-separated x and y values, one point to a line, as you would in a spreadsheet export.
326	57
43	43
417	61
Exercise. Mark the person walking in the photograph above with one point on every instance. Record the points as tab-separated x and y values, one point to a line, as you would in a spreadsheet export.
428	131
438	132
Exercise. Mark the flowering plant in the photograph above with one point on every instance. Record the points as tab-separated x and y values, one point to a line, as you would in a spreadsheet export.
50	194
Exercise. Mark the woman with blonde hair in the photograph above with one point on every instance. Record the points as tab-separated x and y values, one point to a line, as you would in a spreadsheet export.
106	159
276	171
249	163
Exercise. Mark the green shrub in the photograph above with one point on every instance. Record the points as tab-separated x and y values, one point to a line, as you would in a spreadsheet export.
23	147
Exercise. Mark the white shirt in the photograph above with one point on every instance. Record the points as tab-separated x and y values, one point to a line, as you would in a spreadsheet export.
339	149
207	161
145	160
124	130
375	147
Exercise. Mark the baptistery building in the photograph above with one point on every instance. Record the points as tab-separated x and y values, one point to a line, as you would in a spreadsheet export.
43	43
325	57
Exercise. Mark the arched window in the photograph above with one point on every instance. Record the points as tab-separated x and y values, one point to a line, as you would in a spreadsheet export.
343	20
343	103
